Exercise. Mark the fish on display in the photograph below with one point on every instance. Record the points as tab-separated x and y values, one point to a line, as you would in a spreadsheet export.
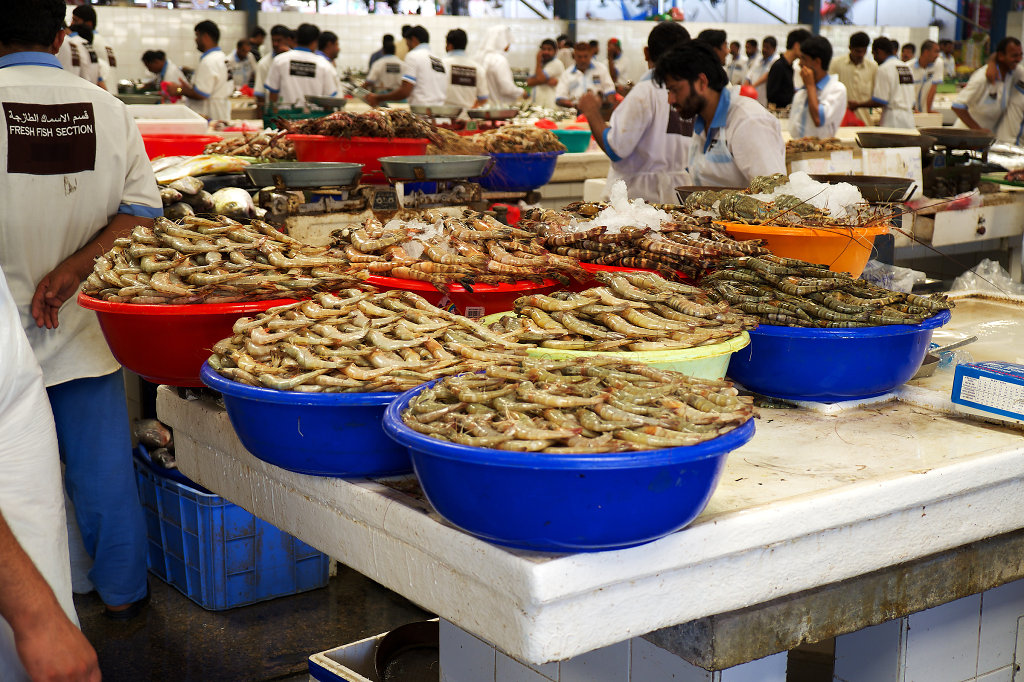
233	202
187	185
170	196
201	202
205	164
178	211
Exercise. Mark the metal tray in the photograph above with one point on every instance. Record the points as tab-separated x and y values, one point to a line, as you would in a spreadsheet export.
875	189
452	167
871	140
439	111
960	138
327	102
295	175
493	114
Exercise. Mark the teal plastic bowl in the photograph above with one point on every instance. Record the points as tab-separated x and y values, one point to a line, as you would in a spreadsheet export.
575	141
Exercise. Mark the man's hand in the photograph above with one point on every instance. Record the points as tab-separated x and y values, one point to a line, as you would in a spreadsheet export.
36	645
57	286
589	105
371	99
807	76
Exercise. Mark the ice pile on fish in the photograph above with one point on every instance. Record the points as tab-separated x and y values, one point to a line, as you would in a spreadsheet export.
213	261
355	341
566	407
269	144
794	293
633	311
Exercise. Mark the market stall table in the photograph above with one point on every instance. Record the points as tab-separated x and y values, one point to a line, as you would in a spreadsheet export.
820	497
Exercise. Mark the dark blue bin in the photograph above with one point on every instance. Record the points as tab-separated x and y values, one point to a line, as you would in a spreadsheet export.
519	172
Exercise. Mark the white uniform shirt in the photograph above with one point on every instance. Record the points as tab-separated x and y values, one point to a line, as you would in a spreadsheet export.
386	73
564	55
211	79
760	67
948	65
297	73
501	86
985	101
466	81
86	164
743	141
924	78
108	61
574	82
79	57
622	65
262	71
648	144
544	95
894	90
428	76
242	70
831	109
737	68
170	74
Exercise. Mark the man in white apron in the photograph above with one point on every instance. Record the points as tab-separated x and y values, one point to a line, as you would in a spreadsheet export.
981	103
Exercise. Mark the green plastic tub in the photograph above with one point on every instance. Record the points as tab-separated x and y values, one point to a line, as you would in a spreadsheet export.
575	141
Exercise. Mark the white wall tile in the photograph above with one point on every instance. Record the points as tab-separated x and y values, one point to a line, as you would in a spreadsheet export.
464	658
869	655
510	670
649	663
1001	675
609	664
1000	609
768	669
942	643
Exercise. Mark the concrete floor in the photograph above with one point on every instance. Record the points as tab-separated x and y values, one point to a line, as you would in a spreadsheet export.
174	639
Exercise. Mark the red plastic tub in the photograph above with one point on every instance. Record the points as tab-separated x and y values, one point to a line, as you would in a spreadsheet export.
485	299
177	145
364	150
168	344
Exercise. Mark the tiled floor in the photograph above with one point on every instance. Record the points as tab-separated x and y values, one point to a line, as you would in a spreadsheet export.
177	640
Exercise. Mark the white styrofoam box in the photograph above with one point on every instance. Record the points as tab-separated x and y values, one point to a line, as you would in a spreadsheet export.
768	669
167	119
508	669
464	658
870	655
593	189
349	663
942	642
609	664
1000	610
650	662
1001	675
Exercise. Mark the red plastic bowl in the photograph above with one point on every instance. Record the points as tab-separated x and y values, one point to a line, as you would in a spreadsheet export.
364	150
177	145
168	344
485	299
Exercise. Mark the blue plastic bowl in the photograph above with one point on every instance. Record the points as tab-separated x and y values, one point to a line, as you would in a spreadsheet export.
564	503
323	434
828	365
520	172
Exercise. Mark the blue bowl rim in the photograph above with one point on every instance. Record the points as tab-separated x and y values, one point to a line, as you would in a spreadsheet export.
422	444
211	378
933	322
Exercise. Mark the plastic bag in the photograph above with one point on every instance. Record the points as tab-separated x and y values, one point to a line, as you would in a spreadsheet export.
988	275
892	277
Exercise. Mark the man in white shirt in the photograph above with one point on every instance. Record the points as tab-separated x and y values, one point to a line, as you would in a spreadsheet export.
78	56
757	76
819	106
927	70
165	71
719	41
646	140
329	49
242	64
564	53
547	72
425	80
948	60
501	85
736	65
586	75
73	178
735	139
467	87
299	72
894	86
981	103
619	64
386	73
85	15
857	72
282	39
211	85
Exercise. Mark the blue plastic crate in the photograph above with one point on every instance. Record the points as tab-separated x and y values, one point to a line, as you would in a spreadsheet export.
216	553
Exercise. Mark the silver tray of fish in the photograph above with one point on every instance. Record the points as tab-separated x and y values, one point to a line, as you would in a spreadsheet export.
305	174
493	114
439	111
327	102
438	167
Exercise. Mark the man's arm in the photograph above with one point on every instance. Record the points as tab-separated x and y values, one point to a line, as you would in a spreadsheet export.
590	106
186	89
49	645
538	77
964	115
813	105
930	98
63	281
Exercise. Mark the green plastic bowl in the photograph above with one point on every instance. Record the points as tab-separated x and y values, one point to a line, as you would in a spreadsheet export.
575	141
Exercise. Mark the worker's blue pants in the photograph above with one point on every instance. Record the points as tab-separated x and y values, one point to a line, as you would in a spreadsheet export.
95	446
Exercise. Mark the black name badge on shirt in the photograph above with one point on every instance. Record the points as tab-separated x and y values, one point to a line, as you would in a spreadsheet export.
392	68
302	69
437	65
50	139
76	60
111	59
92	54
677	125
464	75
905	74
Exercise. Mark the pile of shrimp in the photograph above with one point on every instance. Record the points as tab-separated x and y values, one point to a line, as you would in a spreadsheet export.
213	261
633	311
442	249
357	342
583	406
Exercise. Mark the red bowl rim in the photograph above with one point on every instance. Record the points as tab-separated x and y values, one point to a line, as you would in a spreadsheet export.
301	137
418	285
101	306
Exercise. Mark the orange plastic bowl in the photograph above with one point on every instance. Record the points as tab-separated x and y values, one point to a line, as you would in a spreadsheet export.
841	249
485	299
168	344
